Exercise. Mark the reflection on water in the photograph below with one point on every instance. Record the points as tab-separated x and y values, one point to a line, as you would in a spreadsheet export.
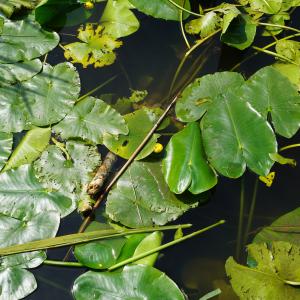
148	60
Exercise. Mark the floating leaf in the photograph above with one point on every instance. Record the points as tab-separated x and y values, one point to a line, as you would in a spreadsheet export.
71	175
30	148
271	93
6	141
125	145
16	282
278	19
274	275
289	49
91	119
205	25
286	228
24	40
118	19
97	47
21	195
197	96
266	6
240	33
161	9
100	254
21	71
133	282
185	165
8	7
150	242
142	198
230	13
43	100
235	135
292	72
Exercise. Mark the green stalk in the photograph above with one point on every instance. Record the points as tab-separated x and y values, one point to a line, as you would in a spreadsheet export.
182	28
279	26
289	147
101	85
162	247
62	147
251	212
274	54
78	238
241	220
59	263
184	9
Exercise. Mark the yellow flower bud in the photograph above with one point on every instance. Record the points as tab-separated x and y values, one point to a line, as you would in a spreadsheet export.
268	180
89	5
158	148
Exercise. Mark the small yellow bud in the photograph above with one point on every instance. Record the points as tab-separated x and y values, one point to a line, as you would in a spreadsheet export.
88	5
158	148
268	180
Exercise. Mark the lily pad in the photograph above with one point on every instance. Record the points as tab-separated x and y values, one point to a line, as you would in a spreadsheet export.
6	141
99	254
134	282
266	6
235	135
185	166
197	96
142	198
125	145
91	119
69	175
20	71
21	195
275	275
24	40
271	93
30	148
118	19
8	7
162	9
292	72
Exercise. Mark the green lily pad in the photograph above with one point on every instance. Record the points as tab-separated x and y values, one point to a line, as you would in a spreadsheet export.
91	119
118	19
133	282
197	96
6	141
266	6
125	145
185	165
69	176
275	275
292	72
271	93
30	148
235	135
99	254
20	71
8	7
24	40
161	9
21	195
142	198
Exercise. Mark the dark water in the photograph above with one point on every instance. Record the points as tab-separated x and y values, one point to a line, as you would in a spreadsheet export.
148	60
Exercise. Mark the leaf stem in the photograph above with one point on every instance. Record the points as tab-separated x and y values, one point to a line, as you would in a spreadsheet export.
184	9
289	147
60	263
274	54
101	85
182	28
162	247
62	147
241	220
279	26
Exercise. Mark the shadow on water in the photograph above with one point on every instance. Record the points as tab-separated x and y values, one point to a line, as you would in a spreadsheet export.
196	265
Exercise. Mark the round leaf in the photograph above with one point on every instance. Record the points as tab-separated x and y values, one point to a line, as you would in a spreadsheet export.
266	6
24	40
91	119
292	72
141	198
270	92
197	96
125	145
185	165
134	282
235	135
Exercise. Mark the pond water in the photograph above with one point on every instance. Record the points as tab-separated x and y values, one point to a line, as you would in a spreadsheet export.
148	60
